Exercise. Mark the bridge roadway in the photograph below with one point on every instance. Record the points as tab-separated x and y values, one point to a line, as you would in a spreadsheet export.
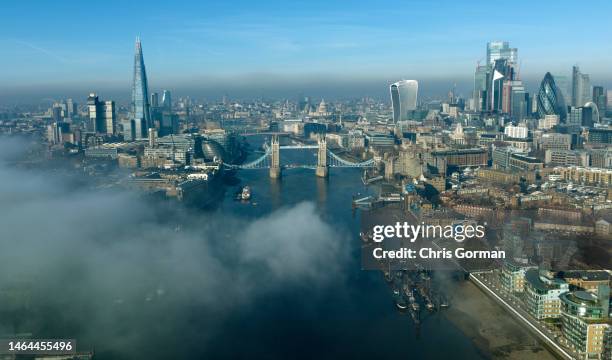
325	159
299	147
266	132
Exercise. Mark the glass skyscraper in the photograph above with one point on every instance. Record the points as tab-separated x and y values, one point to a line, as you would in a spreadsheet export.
581	87
502	74
501	50
519	102
550	99
600	99
403	98
491	78
140	96
563	82
154	100
102	115
167	100
481	84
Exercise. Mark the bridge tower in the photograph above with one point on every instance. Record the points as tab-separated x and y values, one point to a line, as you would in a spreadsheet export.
275	170
322	169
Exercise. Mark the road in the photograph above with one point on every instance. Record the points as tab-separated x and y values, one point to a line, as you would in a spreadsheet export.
514	306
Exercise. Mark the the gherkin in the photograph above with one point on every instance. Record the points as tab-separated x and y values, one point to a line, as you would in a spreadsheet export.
550	99
140	95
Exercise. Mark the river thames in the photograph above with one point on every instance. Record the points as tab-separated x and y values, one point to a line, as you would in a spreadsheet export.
356	315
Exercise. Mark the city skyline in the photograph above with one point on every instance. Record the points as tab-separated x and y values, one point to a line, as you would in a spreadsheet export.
414	179
208	47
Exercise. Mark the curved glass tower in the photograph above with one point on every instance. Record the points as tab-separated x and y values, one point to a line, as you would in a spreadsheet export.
550	99
140	95
403	98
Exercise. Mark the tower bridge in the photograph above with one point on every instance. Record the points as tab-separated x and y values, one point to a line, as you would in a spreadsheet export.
325	159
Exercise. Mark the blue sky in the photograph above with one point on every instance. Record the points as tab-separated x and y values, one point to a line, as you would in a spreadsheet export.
78	43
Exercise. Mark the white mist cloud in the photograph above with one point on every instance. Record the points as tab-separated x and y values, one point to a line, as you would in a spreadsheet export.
110	268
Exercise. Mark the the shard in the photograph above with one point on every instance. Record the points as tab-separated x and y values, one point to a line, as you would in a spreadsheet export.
140	96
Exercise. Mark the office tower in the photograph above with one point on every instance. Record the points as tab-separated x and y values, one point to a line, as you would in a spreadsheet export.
586	89
576	86
581	87
167	100
93	112
58	133
110	117
56	113
140	95
53	134
101	114
156	111
590	114
501	50
481	81
600	99
513	92
564	85
62	110
520	107
154	100
516	132
550	100
574	116
503	75
493	81
72	108
403	98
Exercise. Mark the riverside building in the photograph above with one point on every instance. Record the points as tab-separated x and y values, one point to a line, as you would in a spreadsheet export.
585	321
542	291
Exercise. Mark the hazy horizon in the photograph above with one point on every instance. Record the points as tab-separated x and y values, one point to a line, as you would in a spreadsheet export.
256	86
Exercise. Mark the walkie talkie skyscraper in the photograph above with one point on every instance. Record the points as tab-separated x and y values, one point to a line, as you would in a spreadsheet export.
140	96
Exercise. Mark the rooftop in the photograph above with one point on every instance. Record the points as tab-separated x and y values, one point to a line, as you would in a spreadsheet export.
588	275
580	168
536	280
581	298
